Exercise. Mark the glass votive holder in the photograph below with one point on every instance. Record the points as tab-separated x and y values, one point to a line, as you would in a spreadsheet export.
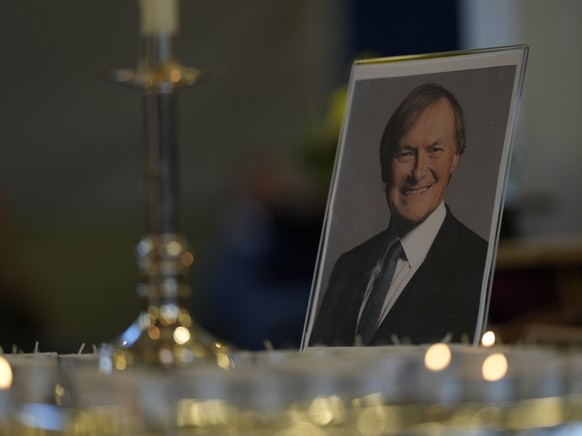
34	384
134	401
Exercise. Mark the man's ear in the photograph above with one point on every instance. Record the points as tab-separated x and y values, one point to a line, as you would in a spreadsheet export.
454	164
456	158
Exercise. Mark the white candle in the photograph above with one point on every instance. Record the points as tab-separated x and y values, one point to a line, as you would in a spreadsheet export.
158	16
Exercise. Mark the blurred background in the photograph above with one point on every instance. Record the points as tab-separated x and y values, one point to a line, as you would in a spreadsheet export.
257	148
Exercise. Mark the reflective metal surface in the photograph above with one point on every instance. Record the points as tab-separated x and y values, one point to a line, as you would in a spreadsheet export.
164	334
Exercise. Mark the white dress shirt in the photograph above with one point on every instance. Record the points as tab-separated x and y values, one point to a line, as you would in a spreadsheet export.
416	244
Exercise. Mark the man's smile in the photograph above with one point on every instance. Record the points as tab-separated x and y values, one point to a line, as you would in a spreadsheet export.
410	192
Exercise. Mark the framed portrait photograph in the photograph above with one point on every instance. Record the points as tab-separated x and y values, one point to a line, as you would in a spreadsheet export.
412	223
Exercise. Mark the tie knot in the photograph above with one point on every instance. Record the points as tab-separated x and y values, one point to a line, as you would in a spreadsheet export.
395	251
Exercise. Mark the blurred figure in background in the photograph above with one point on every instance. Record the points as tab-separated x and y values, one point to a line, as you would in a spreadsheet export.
256	287
258	284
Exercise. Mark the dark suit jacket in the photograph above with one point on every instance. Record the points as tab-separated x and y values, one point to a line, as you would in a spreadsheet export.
442	297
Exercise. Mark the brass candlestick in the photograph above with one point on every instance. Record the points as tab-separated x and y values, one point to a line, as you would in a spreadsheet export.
165	334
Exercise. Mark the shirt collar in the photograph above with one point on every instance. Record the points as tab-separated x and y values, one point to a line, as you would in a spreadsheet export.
417	242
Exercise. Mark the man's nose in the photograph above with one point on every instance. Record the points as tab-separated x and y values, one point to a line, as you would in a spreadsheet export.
420	166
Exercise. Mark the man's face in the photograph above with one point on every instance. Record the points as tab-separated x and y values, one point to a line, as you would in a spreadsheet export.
422	164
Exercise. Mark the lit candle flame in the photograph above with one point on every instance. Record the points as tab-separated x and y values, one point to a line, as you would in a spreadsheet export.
488	339
437	357
5	374
495	367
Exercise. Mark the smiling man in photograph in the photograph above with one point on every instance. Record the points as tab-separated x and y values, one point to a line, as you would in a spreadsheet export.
420	280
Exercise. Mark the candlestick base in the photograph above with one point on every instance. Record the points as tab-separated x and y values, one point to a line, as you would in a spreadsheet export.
165	334
150	341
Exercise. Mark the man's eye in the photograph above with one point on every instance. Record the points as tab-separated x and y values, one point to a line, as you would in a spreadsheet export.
404	155
436	149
